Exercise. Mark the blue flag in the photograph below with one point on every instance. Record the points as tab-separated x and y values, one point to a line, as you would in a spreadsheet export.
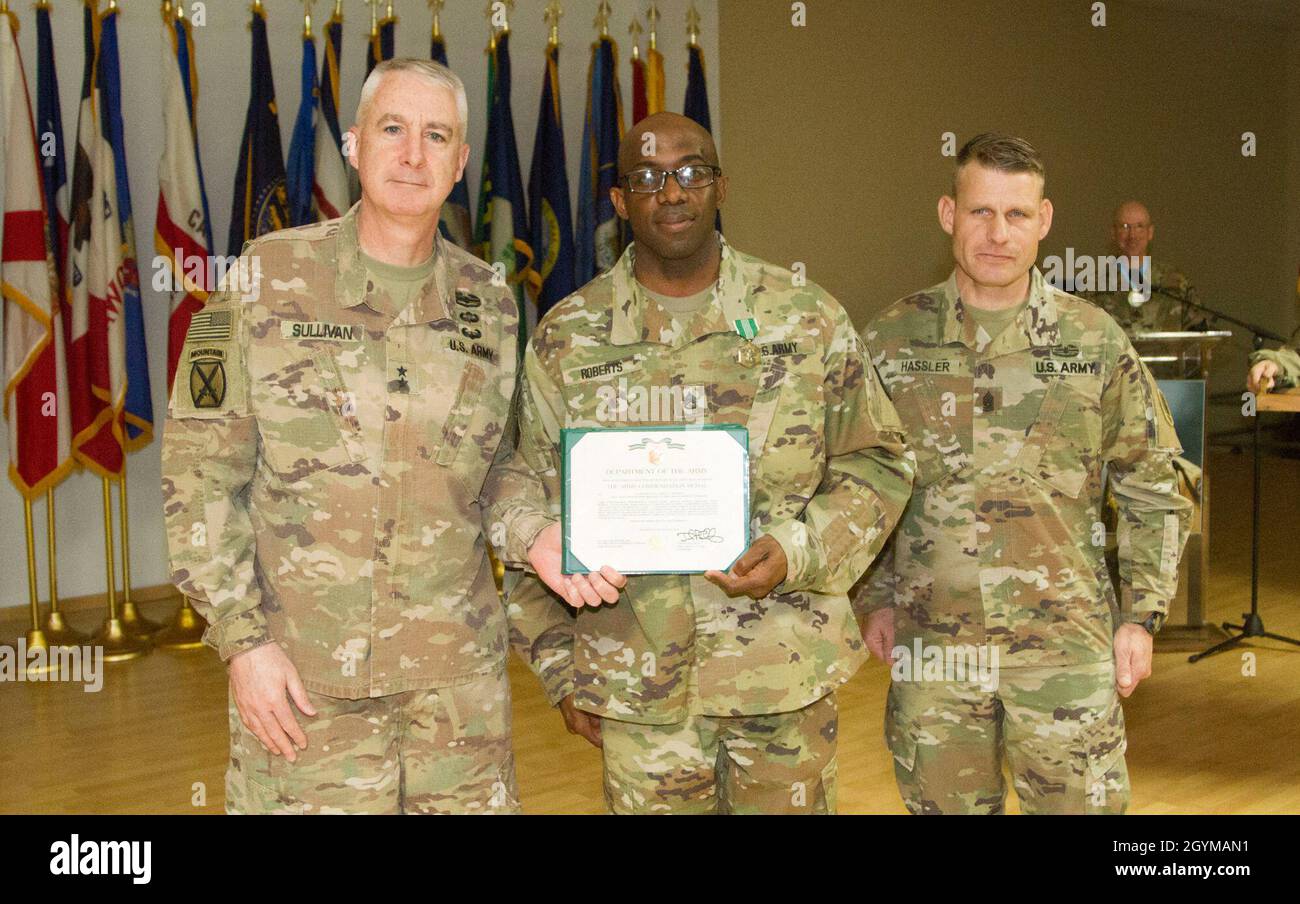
261	204
599	238
302	147
49	137
454	221
502	235
696	105
137	413
189	81
548	194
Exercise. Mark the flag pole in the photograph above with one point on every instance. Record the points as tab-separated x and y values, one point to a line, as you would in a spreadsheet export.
132	620
57	630
35	639
435	7
118	643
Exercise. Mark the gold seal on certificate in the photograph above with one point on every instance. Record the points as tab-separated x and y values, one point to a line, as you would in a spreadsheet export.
655	500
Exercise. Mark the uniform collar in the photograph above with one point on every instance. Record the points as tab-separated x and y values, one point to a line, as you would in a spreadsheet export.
637	319
352	285
1036	325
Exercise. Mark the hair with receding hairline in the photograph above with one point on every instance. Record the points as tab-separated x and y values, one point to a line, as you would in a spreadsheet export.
432	72
1002	152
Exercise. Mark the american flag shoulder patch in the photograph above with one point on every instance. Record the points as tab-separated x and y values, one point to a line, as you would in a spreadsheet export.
209	326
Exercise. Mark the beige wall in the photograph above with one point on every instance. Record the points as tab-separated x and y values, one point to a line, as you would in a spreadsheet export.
833	135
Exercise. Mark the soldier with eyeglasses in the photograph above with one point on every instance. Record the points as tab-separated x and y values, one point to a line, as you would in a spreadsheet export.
715	692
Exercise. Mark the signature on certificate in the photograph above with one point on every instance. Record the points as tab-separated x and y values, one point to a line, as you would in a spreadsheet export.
707	534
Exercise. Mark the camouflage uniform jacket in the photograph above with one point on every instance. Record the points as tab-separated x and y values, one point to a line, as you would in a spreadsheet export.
1002	541
1287	361
1164	311
323	464
829	474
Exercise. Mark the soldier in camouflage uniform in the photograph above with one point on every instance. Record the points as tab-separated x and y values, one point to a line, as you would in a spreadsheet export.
327	441
1273	368
710	692
1132	232
1015	397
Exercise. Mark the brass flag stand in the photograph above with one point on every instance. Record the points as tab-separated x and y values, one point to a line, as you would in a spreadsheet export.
57	630
118	643
132	620
36	639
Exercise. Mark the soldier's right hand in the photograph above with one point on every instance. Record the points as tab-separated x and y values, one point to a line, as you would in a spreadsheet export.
262	680
879	635
1265	373
546	557
579	722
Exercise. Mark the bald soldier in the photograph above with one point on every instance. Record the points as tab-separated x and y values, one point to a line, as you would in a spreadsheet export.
1151	295
714	692
324	460
1016	399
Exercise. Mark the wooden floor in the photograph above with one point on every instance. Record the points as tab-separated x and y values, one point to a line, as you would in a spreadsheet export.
1203	738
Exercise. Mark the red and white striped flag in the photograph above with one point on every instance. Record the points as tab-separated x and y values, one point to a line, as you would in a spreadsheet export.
181	230
35	400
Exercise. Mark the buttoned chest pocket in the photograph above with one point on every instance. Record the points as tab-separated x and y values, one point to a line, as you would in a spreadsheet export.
1061	449
466	438
786	423
933	410
306	417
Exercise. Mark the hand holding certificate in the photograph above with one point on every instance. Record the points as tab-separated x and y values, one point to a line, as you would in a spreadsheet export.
656	500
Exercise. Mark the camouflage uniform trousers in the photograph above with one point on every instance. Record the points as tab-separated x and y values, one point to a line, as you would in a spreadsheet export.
1061	728
783	763
439	751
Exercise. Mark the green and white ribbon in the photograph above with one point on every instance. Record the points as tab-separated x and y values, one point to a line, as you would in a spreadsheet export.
747	328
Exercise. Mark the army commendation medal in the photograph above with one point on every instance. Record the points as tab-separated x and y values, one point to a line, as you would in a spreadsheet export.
749	354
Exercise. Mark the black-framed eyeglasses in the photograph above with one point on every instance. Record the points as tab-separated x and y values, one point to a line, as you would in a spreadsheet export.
692	175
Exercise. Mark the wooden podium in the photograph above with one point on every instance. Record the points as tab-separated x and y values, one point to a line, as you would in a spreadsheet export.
1279	400
1181	362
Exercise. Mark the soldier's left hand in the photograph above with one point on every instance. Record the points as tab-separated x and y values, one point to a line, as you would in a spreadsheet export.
1132	657
545	555
755	573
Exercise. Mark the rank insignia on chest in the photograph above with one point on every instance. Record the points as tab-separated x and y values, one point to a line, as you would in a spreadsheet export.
207	383
399	382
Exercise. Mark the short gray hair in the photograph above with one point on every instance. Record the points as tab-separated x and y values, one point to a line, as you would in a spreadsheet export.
432	72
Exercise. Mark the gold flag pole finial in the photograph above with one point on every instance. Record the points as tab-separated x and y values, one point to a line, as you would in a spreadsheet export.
306	17
388	14
257	7
338	8
166	10
692	26
180	11
552	16
635	31
652	18
435	7
602	18
112	7
374	19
